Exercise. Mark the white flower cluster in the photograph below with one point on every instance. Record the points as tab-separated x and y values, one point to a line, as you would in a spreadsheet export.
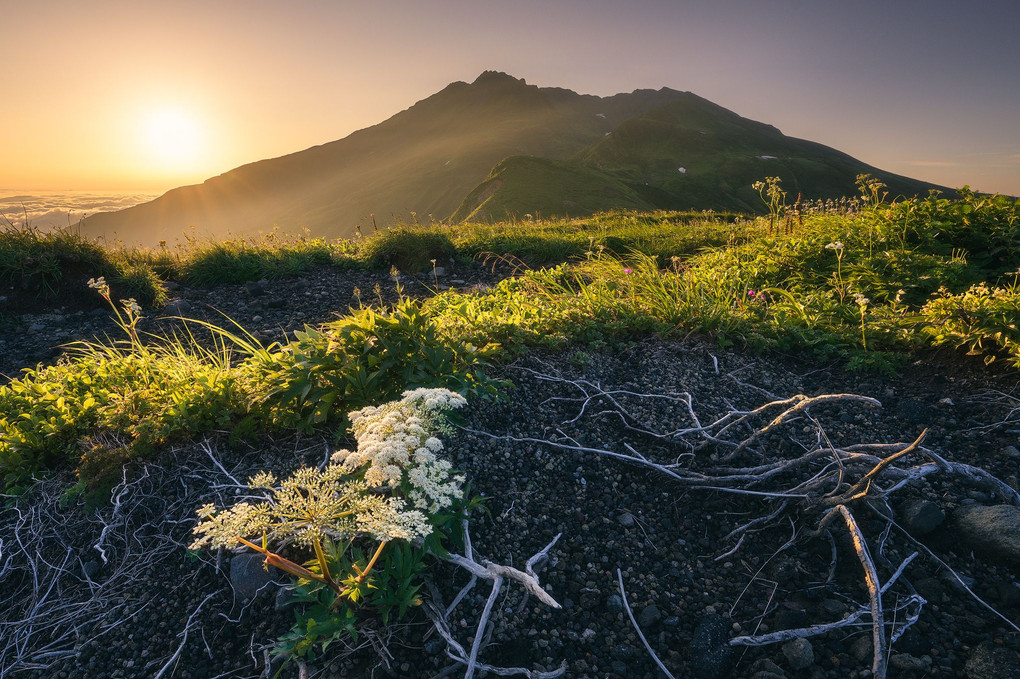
395	441
307	507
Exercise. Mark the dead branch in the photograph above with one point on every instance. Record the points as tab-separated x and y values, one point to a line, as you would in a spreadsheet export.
820	482
496	573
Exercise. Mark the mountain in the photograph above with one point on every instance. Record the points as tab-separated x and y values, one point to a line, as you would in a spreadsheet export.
687	153
499	146
425	159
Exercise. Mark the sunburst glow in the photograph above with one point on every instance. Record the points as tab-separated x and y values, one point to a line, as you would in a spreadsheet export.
174	138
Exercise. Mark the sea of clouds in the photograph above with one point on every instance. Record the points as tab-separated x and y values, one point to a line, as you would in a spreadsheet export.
47	211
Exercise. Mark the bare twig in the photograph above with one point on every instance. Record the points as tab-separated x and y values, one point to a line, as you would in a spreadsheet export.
637	628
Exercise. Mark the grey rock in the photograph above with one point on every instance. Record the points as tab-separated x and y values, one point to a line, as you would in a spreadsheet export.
626	519
921	517
36	327
284	599
91	569
764	668
791	618
1006	592
863	649
177	306
711	654
1011	451
978	496
914	642
255	288
783	569
913	410
649	615
439	271
799	653
248	575
621	652
988	661
904	662
614	604
994	530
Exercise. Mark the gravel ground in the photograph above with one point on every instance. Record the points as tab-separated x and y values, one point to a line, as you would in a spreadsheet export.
688	590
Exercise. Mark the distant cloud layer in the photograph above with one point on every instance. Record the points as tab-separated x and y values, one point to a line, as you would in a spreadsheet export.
55	210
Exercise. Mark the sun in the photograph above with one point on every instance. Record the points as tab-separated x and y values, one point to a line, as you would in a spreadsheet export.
174	138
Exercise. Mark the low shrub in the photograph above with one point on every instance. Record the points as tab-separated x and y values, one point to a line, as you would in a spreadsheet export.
411	249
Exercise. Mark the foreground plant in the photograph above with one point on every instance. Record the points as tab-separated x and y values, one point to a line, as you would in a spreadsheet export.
393	489
370	518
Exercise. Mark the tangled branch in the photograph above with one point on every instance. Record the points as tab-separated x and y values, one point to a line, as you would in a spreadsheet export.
815	485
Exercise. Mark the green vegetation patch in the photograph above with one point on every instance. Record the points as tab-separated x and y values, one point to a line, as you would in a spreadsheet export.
865	282
108	404
40	268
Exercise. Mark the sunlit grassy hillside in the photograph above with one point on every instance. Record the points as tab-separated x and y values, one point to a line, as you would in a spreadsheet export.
863	281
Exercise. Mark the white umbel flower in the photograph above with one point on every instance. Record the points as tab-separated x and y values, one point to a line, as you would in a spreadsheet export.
395	441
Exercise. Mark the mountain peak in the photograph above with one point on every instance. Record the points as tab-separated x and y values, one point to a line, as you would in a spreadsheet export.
497	77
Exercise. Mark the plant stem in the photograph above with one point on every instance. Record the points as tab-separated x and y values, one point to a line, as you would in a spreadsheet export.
371	563
289	566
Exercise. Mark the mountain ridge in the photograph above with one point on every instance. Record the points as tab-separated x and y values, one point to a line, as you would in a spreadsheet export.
424	160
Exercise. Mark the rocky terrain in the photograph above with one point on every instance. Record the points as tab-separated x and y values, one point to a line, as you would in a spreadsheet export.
128	600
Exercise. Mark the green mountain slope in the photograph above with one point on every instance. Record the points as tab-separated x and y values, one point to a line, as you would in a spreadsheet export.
546	187
424	159
690	153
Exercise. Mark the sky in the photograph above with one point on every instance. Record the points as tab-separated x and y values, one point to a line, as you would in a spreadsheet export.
135	96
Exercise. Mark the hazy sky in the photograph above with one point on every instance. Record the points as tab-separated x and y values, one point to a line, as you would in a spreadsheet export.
150	95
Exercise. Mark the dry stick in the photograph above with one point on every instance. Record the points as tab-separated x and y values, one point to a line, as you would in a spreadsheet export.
799	403
858	454
630	614
859	489
58	611
754	522
496	573
839	462
483	620
786	545
851	619
124	487
878	664
952	572
490	571
184	639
